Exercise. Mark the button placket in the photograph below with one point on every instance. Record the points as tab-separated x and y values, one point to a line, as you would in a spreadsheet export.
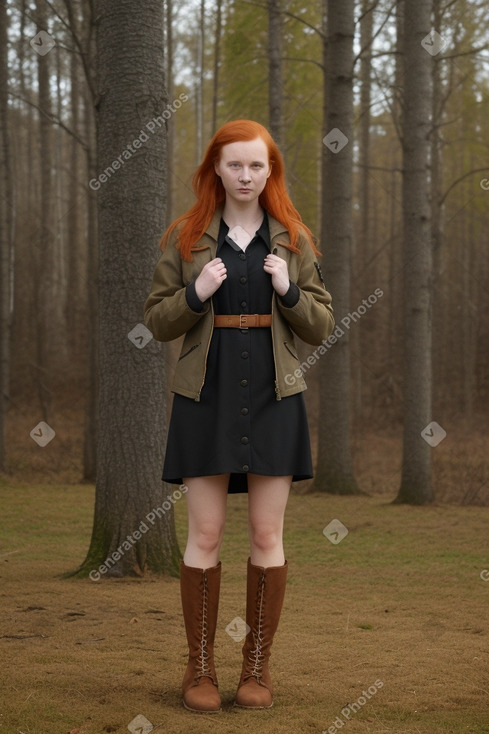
245	341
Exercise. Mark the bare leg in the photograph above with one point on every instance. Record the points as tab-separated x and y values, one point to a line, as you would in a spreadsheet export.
267	500
206	504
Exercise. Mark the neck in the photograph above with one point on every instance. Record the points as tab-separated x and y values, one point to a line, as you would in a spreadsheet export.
246	215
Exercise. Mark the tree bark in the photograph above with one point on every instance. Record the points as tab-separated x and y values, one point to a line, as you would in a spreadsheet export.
334	472
133	528
416	484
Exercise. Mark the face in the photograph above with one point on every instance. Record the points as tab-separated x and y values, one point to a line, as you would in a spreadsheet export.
244	169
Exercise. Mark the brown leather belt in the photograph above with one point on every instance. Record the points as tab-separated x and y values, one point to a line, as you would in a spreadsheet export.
243	321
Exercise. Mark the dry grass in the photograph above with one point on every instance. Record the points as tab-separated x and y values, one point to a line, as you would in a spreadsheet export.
400	600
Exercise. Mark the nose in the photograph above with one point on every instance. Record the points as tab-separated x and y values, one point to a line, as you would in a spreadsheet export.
245	176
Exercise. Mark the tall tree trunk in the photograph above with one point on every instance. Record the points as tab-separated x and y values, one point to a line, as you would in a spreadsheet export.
275	81
75	293
440	304
46	336
91	426
134	524
217	63
86	29
334	472
170	140
6	231
60	244
395	255
363	250
469	314
199	95
419	435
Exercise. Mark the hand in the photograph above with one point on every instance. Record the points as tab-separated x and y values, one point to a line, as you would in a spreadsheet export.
277	268
210	278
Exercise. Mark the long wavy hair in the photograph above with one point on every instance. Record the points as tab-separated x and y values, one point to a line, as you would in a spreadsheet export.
210	192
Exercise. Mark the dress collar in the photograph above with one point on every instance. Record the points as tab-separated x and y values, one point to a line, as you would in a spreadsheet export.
263	232
275	227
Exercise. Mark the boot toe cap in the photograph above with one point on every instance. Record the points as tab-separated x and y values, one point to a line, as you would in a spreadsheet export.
252	695
202	698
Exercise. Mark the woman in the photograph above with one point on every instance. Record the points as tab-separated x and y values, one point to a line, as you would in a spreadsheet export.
238	275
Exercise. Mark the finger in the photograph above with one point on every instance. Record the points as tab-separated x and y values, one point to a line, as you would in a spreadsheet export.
212	264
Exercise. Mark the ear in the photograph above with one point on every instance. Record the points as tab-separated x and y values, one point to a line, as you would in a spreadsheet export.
216	169
269	170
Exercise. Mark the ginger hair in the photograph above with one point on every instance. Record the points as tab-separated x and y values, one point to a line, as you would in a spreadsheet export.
210	192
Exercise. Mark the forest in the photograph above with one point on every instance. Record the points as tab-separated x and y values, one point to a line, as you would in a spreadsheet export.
381	111
383	129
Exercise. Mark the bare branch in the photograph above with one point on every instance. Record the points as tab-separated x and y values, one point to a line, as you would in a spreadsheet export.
70	25
306	61
465	53
52	118
376	34
458	180
291	15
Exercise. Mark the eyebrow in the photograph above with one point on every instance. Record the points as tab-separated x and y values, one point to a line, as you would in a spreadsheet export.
253	163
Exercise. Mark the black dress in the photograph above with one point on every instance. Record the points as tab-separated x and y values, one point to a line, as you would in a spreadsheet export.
239	426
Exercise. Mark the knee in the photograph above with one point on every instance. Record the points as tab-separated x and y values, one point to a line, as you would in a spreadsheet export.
208	537
266	537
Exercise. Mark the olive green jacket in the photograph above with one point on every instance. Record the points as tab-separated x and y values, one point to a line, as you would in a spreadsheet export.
168	315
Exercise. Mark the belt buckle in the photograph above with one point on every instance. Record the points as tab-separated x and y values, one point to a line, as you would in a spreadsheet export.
241	317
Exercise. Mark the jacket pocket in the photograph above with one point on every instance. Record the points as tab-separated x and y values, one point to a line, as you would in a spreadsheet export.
185	354
291	350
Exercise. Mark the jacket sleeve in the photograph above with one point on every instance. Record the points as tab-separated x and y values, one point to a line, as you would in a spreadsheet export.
311	318
167	312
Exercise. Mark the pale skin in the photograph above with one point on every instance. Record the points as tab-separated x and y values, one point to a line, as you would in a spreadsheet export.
244	169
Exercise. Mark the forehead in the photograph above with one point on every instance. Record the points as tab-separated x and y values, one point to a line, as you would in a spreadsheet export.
250	150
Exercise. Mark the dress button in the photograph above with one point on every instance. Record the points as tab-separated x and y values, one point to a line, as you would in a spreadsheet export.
243	383
244	355
245	467
243	304
244	411
245	439
243	280
242	256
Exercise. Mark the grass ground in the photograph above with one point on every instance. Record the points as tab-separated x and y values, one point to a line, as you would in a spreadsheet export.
397	609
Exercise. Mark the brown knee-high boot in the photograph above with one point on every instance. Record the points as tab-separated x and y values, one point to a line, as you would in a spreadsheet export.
200	602
264	599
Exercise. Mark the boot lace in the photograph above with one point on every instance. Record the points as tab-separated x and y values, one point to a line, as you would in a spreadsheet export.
203	668
256	656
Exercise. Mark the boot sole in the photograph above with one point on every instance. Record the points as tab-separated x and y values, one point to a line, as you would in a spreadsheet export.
201	711
258	708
